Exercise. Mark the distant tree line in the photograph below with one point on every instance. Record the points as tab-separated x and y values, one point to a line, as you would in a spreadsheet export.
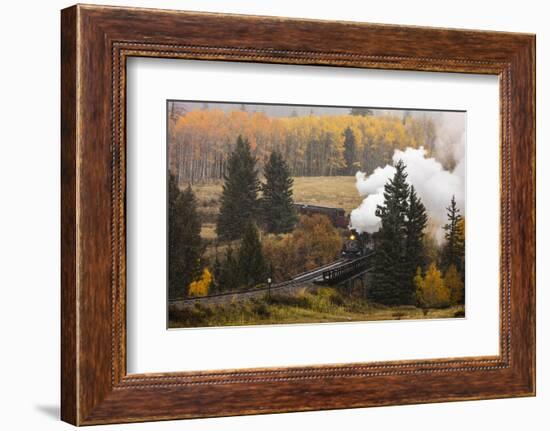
201	140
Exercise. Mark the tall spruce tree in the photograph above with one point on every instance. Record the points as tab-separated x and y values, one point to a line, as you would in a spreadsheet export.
416	222
390	280
350	149
184	241
277	207
453	250
228	275
239	198
252	268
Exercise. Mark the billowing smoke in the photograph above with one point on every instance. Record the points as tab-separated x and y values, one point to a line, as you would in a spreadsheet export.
434	185
450	138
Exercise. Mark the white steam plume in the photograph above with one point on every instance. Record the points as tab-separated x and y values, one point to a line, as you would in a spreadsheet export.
434	185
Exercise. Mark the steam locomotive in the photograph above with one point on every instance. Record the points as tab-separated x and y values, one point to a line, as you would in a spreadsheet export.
357	245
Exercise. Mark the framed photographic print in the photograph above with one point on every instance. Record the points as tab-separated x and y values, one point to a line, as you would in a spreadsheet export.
314	240
267	215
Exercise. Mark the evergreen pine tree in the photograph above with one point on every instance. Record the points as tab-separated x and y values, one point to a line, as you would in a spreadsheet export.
350	148
240	192
453	249
216	273
228	276
415	224
184	241
277	206
252	269
391	284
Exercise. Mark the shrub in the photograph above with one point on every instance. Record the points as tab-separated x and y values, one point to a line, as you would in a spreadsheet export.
314	242
262	310
301	300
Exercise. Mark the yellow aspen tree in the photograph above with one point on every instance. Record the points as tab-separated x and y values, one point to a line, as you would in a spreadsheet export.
201	286
418	282
434	293
455	285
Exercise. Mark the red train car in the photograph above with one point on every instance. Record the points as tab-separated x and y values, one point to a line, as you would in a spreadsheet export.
336	215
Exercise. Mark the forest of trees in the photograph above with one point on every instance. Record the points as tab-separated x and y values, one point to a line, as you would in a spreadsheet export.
399	242
201	140
403	274
246	206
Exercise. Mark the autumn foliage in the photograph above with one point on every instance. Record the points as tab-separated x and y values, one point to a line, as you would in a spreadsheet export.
315	145
454	283
201	286
431	291
314	242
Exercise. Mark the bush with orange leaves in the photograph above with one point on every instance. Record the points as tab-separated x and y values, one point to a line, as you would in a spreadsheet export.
314	242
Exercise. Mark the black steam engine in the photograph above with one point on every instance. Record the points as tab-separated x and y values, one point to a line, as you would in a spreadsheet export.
357	245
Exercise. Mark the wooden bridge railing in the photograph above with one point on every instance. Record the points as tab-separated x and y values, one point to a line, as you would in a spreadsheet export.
347	270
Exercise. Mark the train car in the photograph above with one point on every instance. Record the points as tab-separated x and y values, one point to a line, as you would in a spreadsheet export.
337	216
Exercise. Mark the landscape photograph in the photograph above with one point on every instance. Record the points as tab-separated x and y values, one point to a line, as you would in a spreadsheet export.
298	214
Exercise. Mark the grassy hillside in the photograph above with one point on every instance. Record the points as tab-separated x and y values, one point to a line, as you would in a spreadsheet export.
325	305
327	191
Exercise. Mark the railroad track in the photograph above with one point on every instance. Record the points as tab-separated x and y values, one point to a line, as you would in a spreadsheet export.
290	286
